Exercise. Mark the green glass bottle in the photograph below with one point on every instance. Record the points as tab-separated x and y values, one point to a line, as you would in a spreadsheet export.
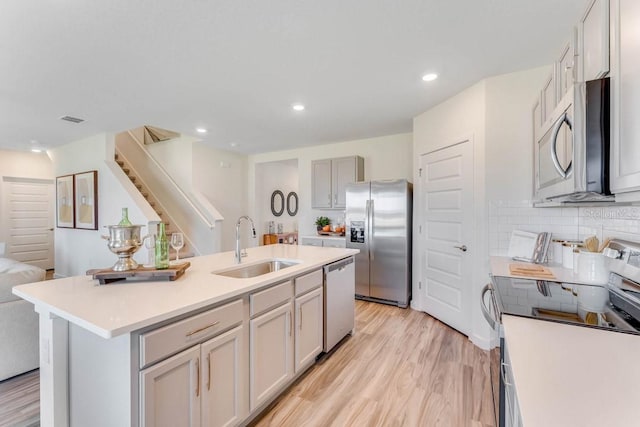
125	217
162	248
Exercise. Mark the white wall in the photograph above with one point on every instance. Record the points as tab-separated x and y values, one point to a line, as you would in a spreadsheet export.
281	175
77	251
385	157
221	176
509	148
19	164
176	157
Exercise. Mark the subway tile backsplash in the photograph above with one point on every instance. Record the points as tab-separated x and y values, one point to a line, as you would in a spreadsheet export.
574	223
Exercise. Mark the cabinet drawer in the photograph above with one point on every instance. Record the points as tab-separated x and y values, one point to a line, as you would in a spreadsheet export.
162	342
269	298
308	282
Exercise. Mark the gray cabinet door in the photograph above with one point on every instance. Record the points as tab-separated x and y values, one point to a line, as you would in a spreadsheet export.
321	184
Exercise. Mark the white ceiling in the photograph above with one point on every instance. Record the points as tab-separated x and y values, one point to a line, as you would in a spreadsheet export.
236	66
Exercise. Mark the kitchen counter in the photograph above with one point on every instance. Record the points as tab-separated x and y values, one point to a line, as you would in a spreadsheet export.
573	376
117	309
500	267
114	314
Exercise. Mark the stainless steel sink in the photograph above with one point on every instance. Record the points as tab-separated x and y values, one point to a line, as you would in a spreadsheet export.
253	270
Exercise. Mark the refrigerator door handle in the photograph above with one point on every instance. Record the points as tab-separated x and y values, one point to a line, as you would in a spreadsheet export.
371	225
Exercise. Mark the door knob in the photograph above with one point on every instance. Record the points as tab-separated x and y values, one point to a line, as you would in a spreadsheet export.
463	248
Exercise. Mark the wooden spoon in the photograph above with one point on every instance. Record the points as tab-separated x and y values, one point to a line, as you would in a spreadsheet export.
591	243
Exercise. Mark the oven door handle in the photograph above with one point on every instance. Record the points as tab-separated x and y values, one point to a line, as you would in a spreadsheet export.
485	311
564	173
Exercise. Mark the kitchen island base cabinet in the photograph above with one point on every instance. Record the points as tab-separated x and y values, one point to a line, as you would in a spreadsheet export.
221	379
215	357
308	336
170	391
270	346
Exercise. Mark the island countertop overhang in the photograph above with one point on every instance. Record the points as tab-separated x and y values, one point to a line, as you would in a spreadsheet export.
113	310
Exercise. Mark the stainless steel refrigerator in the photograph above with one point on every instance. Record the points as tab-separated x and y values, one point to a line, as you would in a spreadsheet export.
378	219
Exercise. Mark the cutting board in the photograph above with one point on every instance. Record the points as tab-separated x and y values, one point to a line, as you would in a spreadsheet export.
530	270
107	275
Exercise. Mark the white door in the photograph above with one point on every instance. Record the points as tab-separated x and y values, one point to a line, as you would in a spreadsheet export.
27	210
170	391
221	379
446	246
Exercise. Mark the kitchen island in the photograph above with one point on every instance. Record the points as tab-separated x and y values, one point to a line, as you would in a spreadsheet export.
105	349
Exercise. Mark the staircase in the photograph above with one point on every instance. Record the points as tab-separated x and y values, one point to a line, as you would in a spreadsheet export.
186	251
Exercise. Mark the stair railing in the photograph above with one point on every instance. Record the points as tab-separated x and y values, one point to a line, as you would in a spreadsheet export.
197	209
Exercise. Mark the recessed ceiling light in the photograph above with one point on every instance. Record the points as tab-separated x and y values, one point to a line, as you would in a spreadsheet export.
298	107
429	77
234	144
36	150
201	130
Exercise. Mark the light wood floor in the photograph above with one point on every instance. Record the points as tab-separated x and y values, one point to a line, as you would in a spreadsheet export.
402	368
20	400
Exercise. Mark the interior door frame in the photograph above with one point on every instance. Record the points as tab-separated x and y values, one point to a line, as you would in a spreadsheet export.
4	219
420	241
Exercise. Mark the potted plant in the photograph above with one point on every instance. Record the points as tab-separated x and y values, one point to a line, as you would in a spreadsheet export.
323	224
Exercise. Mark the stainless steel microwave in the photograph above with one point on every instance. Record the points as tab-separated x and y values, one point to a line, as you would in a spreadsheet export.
572	155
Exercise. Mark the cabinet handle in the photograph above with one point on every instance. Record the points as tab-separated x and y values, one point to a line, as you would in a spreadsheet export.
198	379
329	198
202	329
335	198
290	322
209	372
300	317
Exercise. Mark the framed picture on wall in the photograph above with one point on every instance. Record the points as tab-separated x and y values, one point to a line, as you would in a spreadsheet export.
86	200
64	202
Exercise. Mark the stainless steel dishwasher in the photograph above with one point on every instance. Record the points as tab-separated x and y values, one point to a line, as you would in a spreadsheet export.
339	297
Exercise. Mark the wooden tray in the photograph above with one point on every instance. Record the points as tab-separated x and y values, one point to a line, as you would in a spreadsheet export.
106	275
531	270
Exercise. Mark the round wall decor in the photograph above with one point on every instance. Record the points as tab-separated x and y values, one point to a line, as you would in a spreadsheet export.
277	203
292	203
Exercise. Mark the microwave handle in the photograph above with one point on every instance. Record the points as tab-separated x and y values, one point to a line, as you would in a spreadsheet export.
564	173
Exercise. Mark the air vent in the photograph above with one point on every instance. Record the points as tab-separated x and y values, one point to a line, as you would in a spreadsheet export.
71	119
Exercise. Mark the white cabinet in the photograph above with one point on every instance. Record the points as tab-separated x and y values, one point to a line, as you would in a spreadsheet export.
549	97
308	326
321	193
625	97
202	384
271	363
221	377
323	242
329	178
170	391
512	409
566	67
594	29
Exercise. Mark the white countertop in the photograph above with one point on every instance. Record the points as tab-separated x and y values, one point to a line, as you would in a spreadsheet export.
116	309
573	376
500	267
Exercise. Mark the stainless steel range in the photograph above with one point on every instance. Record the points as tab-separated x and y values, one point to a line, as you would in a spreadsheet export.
614	306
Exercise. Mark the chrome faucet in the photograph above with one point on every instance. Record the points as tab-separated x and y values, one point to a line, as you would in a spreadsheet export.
239	253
